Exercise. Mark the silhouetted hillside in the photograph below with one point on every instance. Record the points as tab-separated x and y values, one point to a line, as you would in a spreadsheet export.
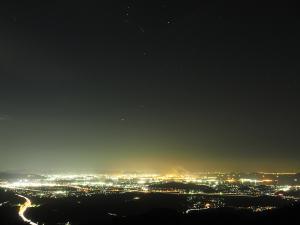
222	216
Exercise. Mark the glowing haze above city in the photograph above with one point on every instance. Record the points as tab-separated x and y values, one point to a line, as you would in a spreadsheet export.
153	87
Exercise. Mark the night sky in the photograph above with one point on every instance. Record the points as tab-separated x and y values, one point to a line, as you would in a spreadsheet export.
149	85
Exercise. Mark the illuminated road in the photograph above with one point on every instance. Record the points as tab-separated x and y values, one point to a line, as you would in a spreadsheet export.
23	209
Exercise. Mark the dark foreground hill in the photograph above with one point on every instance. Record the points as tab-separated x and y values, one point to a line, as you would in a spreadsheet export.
8	216
155	209
222	216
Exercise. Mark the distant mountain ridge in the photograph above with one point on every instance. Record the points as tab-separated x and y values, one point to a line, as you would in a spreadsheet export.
182	186
13	176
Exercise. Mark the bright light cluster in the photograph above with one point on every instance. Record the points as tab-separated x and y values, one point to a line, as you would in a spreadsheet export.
60	185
